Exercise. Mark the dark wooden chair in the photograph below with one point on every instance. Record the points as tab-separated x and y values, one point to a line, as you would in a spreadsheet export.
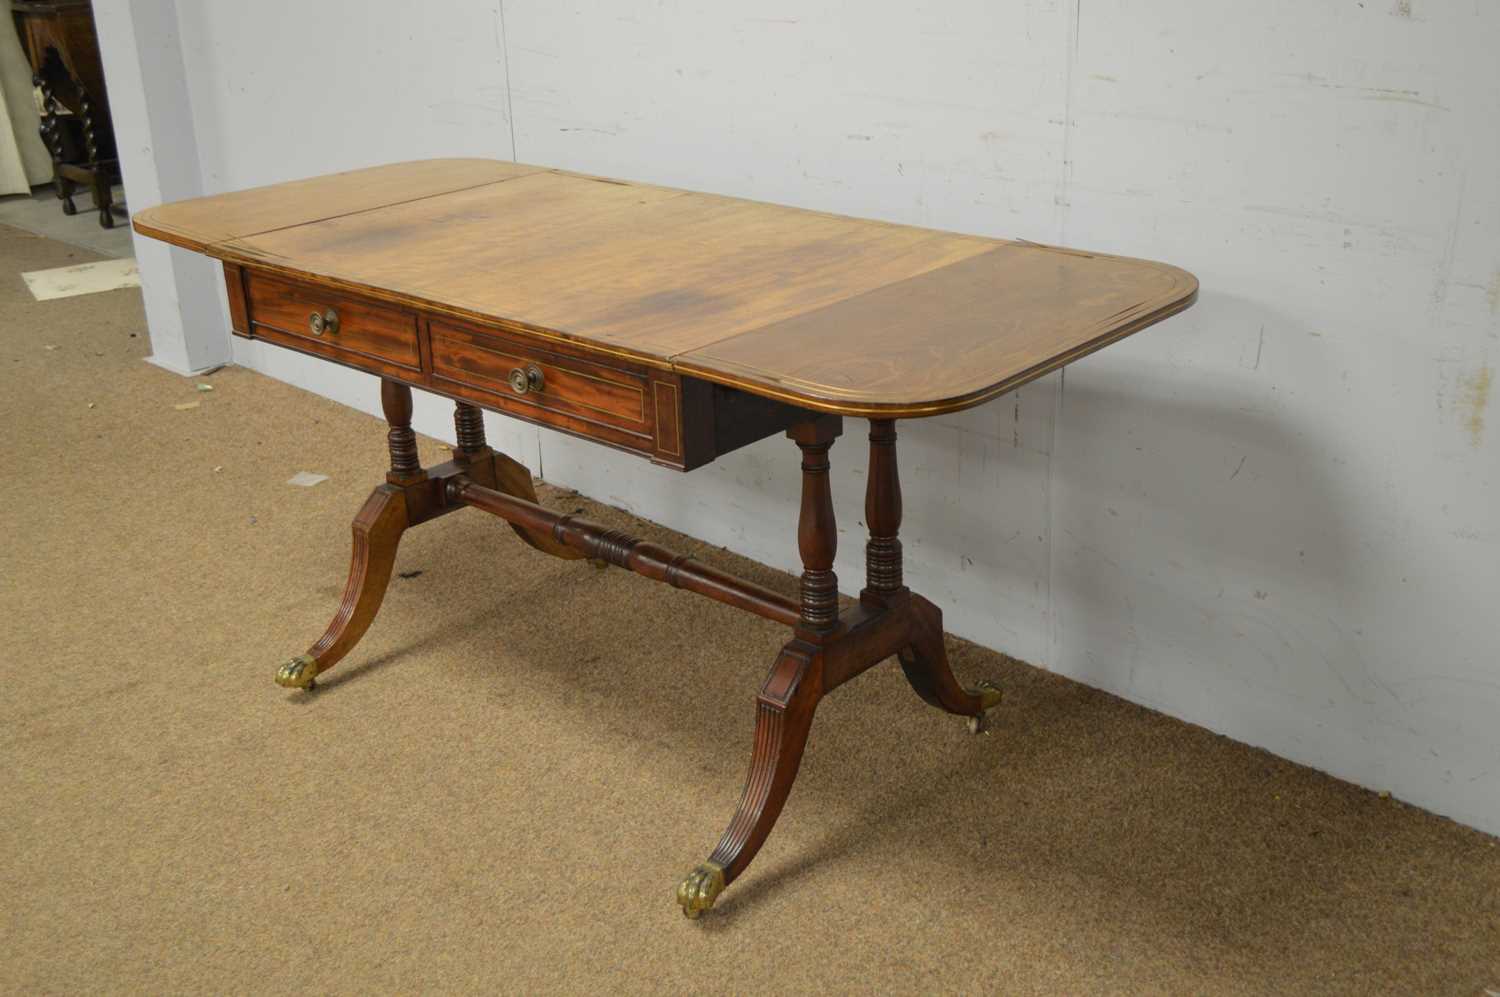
63	48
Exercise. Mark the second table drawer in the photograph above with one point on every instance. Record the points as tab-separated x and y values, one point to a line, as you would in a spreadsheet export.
523	377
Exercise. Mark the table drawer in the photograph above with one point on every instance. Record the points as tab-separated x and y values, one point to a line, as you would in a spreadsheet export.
360	333
595	399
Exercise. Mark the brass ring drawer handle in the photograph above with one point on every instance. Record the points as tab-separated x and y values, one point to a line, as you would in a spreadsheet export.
327	322
530	379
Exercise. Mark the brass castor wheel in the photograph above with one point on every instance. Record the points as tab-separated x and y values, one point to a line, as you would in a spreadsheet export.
989	697
702	887
300	672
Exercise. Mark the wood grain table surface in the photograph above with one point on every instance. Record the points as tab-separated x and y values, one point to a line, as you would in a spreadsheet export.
822	311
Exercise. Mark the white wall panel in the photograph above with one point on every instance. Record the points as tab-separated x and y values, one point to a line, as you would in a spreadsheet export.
1268	516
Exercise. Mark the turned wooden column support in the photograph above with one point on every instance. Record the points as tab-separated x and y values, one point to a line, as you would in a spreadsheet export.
883	512
817	530
395	400
468	422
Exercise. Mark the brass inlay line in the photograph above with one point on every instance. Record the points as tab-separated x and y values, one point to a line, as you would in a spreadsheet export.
657	389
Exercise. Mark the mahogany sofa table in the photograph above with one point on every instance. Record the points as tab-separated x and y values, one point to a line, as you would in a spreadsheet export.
676	326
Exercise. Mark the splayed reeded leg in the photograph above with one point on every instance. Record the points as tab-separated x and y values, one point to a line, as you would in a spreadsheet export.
783	715
924	660
509	476
377	532
784	709
830	648
411	495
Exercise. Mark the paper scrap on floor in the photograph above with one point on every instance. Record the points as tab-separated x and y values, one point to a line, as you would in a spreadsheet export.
84	278
306	479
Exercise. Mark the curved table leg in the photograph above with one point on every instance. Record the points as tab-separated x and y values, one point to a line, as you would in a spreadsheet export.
925	663
783	716
512	478
497	470
377	531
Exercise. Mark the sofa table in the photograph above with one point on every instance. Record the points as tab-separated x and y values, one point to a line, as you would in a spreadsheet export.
675	326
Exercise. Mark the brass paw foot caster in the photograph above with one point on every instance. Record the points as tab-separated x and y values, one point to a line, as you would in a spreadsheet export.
989	697
298	673
701	888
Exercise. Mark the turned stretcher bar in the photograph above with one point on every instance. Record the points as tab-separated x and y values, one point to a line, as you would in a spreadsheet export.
615	547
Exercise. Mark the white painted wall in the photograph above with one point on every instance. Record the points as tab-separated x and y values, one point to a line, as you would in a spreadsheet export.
149	103
1275	515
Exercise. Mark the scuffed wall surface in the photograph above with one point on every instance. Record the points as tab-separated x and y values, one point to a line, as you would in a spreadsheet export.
1274	515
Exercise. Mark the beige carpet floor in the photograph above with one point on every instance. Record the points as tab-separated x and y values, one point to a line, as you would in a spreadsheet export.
500	789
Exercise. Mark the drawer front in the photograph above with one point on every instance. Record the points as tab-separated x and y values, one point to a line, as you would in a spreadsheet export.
372	336
609	402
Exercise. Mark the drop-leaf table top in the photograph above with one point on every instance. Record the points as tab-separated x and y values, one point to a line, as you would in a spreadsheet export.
823	311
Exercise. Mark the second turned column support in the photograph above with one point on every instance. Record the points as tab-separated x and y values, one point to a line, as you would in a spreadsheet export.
468	424
395	401
817	529
883	512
